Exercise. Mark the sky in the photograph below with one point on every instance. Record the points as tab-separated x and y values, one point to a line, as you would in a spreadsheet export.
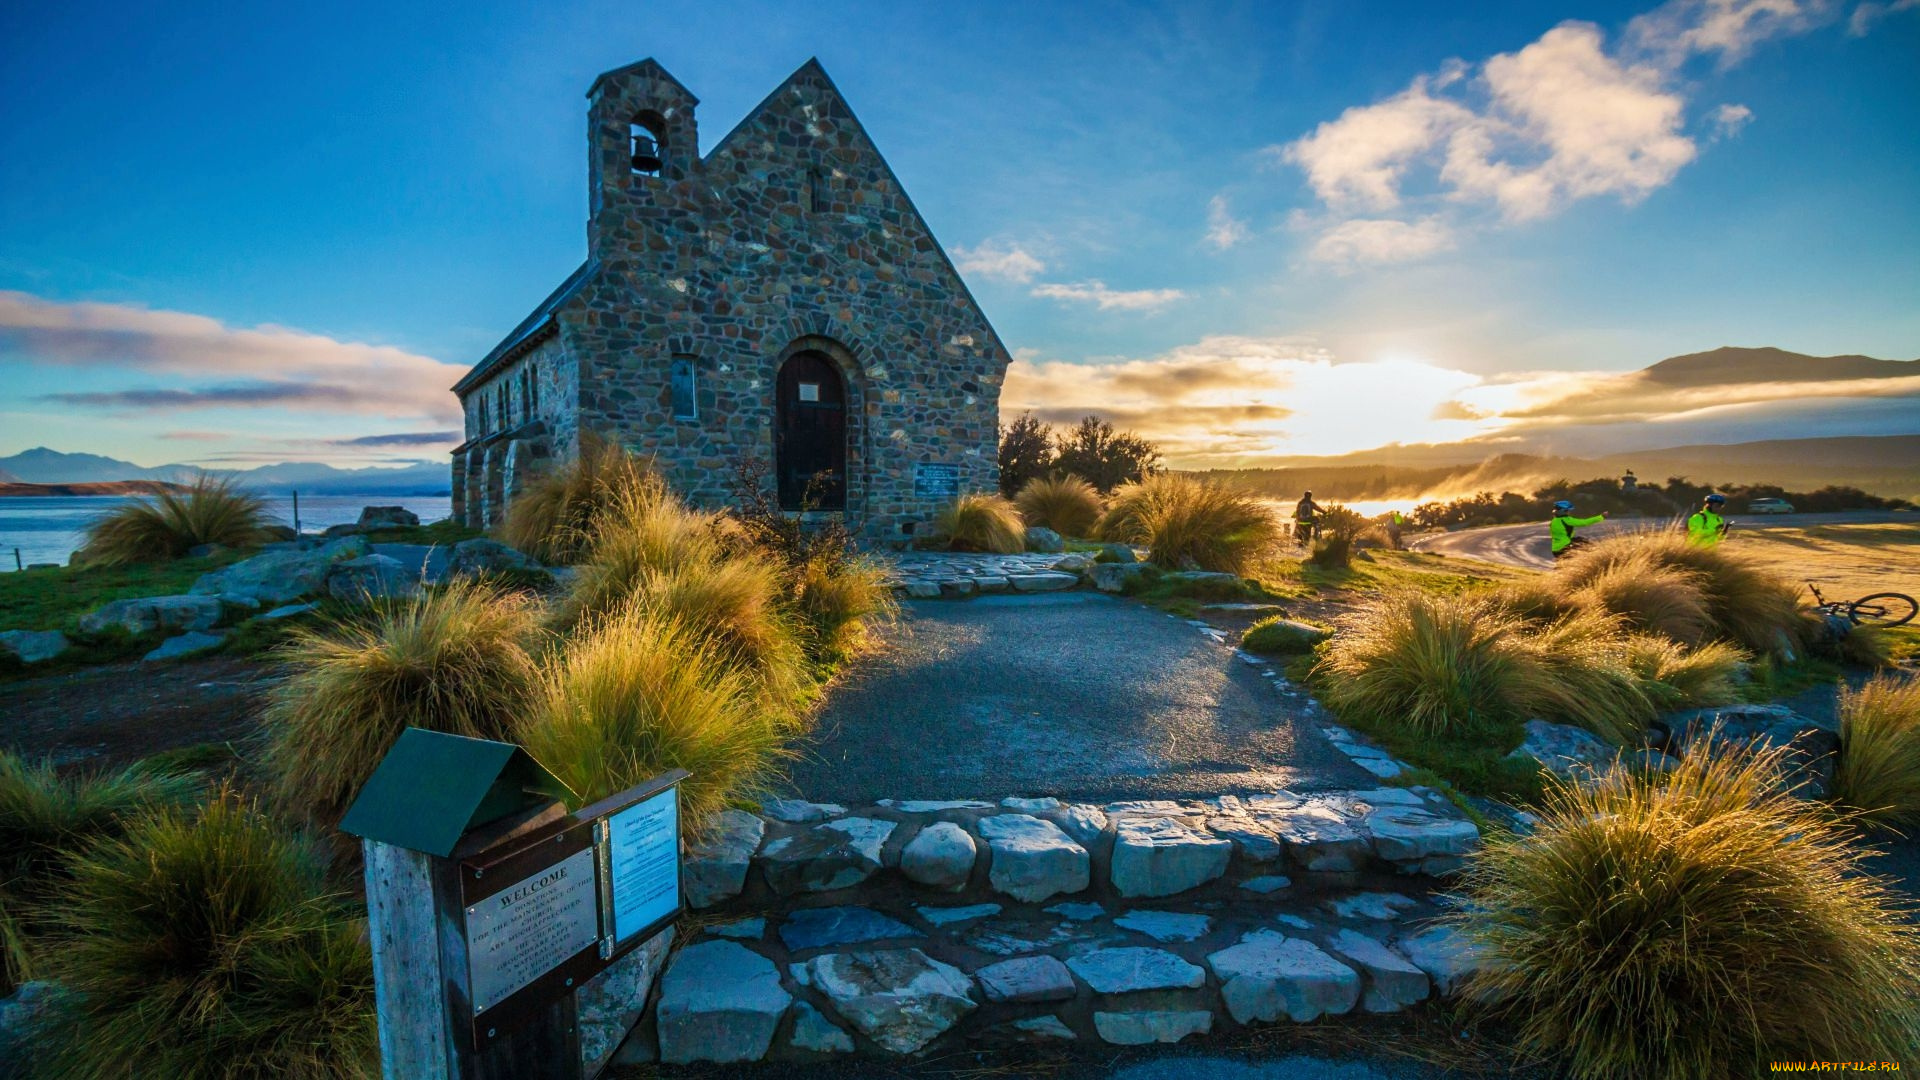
240	234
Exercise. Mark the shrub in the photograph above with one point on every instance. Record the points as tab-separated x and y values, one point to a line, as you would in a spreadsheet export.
1279	636
1690	926
1879	767
1331	553
555	516
1184	521
1660	599
1745	603
211	511
1678	676
44	819
1064	503
202	944
642	532
977	522
837	604
1026	452
1432	664
1105	458
454	659
636	694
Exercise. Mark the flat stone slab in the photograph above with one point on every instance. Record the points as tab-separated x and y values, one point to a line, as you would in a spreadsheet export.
33	646
832	855
1045	581
1078	911
1026	978
930	806
1140	1027
717	869
1161	857
940	856
1393	982
1043	1027
1409	833
1165	925
193	641
947	916
610	1003
1383	907
720	1002
146	614
902	999
1268	975
1445	955
1268	883
1032	859
741	929
1133	968
819	928
815	1033
1319	838
799	811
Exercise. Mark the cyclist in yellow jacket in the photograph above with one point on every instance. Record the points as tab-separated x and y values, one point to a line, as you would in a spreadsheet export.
1564	523
1706	527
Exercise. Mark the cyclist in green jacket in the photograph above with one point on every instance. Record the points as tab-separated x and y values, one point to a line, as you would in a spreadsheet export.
1562	526
1706	527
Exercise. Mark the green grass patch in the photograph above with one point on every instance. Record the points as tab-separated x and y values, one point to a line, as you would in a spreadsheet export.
1279	636
1185	596
445	533
55	597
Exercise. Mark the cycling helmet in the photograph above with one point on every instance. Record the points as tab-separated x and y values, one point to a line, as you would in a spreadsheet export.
1716	499
1563	504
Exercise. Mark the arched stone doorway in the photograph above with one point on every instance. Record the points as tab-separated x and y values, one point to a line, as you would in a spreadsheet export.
810	433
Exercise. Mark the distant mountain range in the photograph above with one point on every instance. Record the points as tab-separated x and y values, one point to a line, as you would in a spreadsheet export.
43	466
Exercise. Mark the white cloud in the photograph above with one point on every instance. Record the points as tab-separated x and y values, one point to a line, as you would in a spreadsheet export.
256	366
1096	292
1366	241
1000	262
1871	11
1727	120
1223	229
1527	133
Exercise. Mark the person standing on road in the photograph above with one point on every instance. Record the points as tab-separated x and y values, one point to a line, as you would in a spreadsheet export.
1706	527
1394	522
1564	523
1305	516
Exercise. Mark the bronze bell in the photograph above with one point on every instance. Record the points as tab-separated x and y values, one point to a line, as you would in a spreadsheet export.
646	155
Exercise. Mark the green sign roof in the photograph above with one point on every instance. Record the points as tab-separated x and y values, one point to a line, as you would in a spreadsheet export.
433	788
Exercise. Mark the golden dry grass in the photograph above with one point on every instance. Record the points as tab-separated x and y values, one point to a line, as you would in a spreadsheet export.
555	517
1879	769
1066	504
166	526
977	522
1186	522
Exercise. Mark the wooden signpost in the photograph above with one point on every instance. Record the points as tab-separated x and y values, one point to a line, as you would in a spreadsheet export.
489	904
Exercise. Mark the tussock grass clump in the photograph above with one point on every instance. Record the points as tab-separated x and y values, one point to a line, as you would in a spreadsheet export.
1331	553
203	944
1064	503
642	532
1432	664
635	694
1879	769
836	605
1743	601
213	510
555	517
454	660
1649	595
1187	522
1678	676
979	522
1579	674
1695	925
44	819
1535	599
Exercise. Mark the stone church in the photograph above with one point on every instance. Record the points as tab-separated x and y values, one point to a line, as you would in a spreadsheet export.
778	298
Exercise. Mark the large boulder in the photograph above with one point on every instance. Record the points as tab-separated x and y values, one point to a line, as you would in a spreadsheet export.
940	856
902	999
279	577
1032	859
1112	577
1404	834
483	556
33	646
372	577
610	1003
1161	856
831	855
150	613
1563	749
1267	975
720	1001
1044	540
387	517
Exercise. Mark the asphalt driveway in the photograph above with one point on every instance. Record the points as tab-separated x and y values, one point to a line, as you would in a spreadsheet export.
1076	695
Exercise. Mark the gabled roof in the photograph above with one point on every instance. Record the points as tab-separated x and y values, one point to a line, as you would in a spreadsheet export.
648	67
533	326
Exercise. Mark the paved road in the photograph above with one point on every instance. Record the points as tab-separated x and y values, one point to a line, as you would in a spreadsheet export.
1527	545
1076	695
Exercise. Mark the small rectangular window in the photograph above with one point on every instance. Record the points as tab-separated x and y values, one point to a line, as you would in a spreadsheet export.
809	391
682	389
817	200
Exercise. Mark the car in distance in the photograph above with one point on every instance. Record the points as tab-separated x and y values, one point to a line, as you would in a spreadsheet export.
1769	506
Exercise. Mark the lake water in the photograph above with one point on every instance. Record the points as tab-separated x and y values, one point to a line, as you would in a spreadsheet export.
48	529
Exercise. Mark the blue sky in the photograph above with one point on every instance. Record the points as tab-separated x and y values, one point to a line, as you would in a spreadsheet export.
244	234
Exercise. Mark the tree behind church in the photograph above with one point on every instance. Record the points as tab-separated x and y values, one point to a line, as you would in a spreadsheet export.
1096	453
1026	453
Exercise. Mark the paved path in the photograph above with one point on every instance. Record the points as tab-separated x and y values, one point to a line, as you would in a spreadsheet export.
1077	695
1527	545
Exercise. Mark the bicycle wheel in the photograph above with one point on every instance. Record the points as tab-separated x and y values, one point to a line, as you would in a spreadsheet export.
1883	609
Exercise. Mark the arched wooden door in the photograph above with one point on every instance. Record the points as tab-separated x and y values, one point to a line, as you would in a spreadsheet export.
810	433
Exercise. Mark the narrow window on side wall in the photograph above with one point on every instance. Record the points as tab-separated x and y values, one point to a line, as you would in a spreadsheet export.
681	386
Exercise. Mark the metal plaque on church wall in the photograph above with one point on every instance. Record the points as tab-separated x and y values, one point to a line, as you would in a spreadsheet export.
936	480
530	927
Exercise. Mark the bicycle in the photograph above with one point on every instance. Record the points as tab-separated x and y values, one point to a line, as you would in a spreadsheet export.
1880	609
